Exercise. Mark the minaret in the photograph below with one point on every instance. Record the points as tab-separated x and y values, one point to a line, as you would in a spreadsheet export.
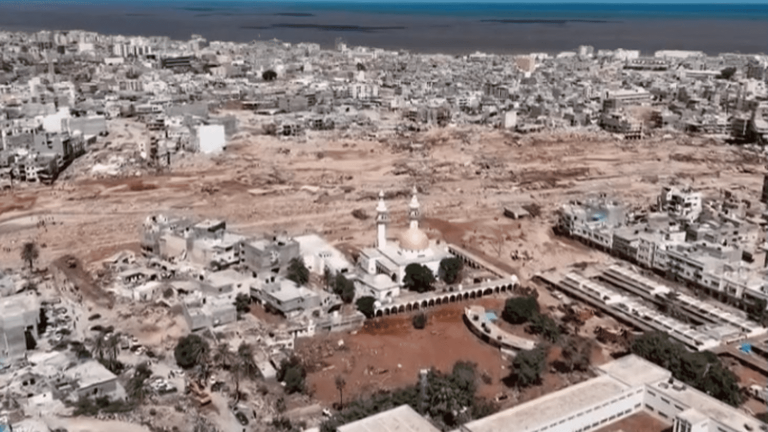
413	210
382	219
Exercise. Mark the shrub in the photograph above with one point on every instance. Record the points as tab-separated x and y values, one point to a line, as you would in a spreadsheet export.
365	305
298	272
419	320
190	351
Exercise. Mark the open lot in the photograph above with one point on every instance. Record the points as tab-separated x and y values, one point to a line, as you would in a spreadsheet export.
389	352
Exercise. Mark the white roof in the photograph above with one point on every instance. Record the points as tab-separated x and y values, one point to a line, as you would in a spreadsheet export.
633	371
720	412
552	407
400	419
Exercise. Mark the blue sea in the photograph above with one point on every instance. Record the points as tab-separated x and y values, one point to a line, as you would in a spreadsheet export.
429	26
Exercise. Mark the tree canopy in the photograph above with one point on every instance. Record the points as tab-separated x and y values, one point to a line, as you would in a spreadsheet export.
418	278
298	272
528	366
544	326
344	288
727	73
449	400
243	303
365	305
191	351
577	354
701	370
269	75
450	269
29	253
519	310
292	372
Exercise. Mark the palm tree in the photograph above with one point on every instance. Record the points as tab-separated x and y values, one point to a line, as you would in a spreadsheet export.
30	253
112	348
137	388
243	366
223	356
340	384
98	347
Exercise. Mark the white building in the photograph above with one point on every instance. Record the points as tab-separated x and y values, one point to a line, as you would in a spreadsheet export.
383	267
627	386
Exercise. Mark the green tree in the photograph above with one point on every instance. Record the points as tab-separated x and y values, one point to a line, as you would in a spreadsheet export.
269	75
528	366
223	356
344	288
191	351
701	370
419	320
244	366
365	305
298	272
450	269
545	326
518	310
727	73
418	278
30	253
293	374
341	383
294	380
243	303
577	353
137	388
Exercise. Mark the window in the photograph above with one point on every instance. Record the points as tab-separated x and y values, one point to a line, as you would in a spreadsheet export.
664	400
637	406
679	407
662	414
651	393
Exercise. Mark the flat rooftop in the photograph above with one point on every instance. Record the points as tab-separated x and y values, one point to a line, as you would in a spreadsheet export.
548	409
400	419
633	371
712	408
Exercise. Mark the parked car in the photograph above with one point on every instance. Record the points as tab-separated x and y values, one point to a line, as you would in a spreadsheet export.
241	418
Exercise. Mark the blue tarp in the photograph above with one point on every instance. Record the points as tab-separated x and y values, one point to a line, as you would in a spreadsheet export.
747	348
491	316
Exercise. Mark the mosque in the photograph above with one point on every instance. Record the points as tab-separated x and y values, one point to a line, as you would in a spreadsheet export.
382	268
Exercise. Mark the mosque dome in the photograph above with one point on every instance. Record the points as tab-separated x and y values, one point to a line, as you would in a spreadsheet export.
414	239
